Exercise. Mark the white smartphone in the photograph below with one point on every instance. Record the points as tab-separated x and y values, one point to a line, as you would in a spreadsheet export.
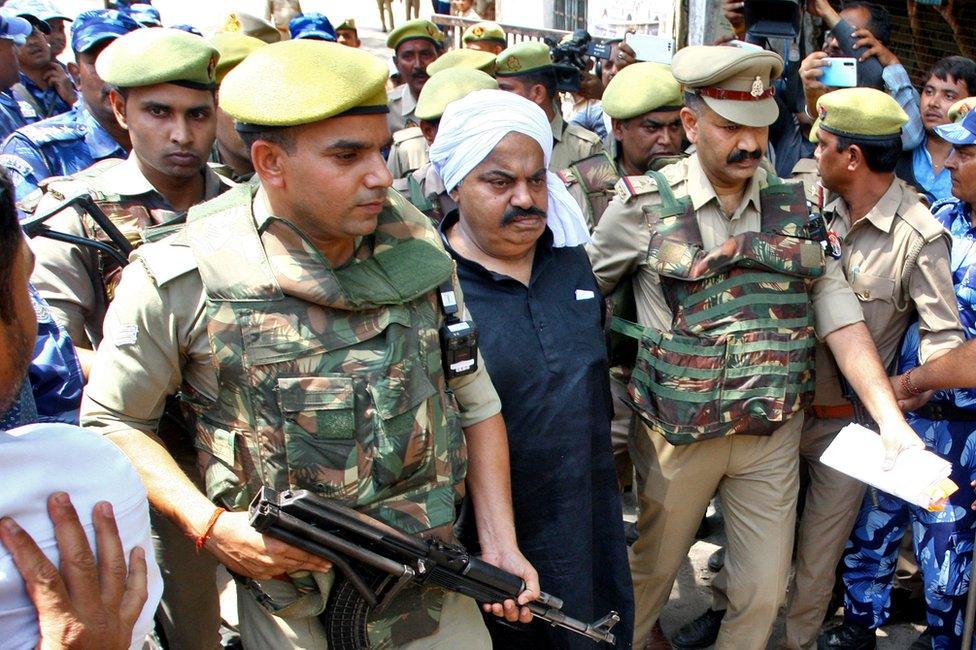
840	72
658	49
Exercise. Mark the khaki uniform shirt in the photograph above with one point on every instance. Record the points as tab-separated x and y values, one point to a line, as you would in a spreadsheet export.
67	275
874	252
621	240
408	153
156	343
431	188
571	143
402	104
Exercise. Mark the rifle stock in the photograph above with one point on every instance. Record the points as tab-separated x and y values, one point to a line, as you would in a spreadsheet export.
348	538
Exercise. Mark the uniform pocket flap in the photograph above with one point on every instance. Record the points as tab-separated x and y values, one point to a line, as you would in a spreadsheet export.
404	387
873	287
315	393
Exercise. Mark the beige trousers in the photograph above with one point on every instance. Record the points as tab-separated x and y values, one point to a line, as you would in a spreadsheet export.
621	428
461	624
756	477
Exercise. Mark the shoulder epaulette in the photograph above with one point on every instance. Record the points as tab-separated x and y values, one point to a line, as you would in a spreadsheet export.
583	133
166	260
922	221
630	186
408	133
805	166
16	164
565	175
40	133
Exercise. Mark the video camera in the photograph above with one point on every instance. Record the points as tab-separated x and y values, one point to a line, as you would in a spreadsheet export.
569	58
771	19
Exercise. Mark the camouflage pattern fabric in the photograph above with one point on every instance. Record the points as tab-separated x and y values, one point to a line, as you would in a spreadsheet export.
739	355
596	177
943	541
331	380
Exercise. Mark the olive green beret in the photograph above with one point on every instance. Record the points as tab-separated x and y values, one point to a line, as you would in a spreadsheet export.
959	110
303	81
348	23
464	58
862	113
641	88
733	82
485	31
523	58
159	55
233	47
249	25
416	28
447	86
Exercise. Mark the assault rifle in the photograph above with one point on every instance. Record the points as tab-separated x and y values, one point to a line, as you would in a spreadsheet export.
376	561
35	226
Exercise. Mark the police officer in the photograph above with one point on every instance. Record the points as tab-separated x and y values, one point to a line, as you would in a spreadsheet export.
689	238
67	143
312	25
643	102
14	31
347	34
415	44
409	150
527	70
228	149
485	36
43	82
250	25
336	385
423	187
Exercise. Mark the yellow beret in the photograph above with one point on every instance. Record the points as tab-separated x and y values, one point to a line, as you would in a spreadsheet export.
303	81
147	57
249	25
464	58
862	113
416	28
641	88
233	47
485	31
447	86
523	58
959	110
734	82
348	23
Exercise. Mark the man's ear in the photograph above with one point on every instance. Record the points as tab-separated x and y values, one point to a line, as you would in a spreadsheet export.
538	94
268	160
429	130
689	120
73	72
617	127
118	107
855	158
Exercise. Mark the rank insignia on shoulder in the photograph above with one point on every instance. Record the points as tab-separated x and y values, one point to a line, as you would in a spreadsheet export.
832	245
630	186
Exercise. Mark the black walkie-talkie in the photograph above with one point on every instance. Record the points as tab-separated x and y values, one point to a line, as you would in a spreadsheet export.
459	338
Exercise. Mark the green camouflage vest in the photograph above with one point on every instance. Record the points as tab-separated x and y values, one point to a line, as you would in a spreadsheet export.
739	355
330	380
596	176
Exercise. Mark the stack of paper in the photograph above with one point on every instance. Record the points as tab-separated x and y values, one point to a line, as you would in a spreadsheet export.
918	476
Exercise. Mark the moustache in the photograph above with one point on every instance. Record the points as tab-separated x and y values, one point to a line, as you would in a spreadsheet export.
740	155
517	213
419	74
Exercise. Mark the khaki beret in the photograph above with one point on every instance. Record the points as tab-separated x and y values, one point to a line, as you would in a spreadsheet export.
733	82
641	88
959	110
416	28
523	58
464	58
233	47
146	57
447	86
303	81
862	113
249	25
485	31
348	23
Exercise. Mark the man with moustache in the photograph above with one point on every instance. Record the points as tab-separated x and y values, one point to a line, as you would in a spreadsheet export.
415	44
70	142
44	83
516	237
731	295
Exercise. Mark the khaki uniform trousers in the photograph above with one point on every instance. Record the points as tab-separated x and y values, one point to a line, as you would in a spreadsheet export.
757	479
190	609
621	429
461	624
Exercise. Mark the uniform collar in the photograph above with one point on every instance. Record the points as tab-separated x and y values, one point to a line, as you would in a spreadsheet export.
126	179
881	216
100	142
407	101
701	192
558	127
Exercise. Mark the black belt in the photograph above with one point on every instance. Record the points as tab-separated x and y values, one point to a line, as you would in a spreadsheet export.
943	411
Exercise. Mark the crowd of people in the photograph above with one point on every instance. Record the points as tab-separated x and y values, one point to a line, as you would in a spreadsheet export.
479	303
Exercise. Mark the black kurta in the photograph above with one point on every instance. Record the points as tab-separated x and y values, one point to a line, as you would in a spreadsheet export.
544	348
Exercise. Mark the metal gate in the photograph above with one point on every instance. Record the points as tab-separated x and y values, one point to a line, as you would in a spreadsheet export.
569	14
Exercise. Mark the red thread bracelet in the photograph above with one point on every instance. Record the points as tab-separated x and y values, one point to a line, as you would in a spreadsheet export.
906	383
202	539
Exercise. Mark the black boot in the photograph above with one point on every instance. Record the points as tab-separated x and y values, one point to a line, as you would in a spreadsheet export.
716	560
847	636
701	632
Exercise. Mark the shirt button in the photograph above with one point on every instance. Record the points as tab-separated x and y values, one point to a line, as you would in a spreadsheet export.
867	294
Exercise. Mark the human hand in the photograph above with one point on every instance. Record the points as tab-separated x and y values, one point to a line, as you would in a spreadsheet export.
513	561
591	87
58	78
874	48
249	553
908	401
897	437
86	603
948	13
823	9
811	69
734	14
625	56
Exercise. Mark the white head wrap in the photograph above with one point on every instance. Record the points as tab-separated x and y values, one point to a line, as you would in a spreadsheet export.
470	129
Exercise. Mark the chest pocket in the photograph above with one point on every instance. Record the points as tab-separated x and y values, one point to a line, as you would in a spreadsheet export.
870	287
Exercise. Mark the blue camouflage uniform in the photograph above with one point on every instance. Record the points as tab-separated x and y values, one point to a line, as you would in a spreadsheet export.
58	146
943	541
48	101
12	114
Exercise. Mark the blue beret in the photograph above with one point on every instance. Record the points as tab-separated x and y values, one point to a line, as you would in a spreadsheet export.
313	25
97	26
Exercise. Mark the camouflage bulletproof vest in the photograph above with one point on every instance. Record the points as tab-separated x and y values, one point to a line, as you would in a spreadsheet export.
597	176
330	380
739	355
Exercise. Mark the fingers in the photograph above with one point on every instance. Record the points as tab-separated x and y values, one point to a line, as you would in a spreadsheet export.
78	566
111	556
291	558
532	590
136	590
41	578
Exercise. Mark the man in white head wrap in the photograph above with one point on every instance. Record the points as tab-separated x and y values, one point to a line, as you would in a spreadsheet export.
529	288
